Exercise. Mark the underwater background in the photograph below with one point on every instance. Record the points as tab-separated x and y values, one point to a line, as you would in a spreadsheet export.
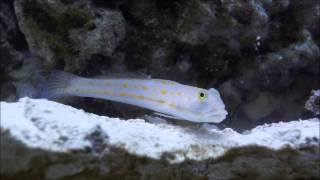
262	56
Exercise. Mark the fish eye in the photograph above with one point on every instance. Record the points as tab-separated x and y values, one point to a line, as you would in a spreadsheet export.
202	95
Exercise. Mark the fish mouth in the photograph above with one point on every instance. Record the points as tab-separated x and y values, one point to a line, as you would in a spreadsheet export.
215	117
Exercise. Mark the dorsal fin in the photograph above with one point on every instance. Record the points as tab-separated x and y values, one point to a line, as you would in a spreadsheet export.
126	75
164	81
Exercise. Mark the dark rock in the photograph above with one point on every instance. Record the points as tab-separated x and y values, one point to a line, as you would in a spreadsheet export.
63	170
10	32
254	162
19	161
313	103
69	33
279	84
98	139
12	42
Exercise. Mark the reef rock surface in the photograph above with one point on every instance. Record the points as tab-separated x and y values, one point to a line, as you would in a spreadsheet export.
54	136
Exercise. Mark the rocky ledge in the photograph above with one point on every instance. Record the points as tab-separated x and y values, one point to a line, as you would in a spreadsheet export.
48	140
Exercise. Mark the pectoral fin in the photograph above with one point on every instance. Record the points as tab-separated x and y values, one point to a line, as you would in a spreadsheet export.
165	115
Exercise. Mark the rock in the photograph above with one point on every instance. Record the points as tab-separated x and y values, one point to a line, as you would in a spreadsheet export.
14	157
59	171
98	139
204	22
261	106
108	29
12	42
251	161
10	32
196	22
277	69
286	75
275	7
313	103
69	33
50	165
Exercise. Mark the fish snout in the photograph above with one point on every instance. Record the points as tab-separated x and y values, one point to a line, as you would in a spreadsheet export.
216	115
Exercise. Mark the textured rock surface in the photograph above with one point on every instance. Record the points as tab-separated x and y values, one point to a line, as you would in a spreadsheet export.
313	103
69	31
12	42
98	146
249	162
52	126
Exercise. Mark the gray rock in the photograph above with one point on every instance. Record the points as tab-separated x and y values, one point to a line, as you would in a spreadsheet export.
196	23
313	103
277	86
261	106
221	171
13	156
203	22
11	44
59	171
104	38
69	32
19	161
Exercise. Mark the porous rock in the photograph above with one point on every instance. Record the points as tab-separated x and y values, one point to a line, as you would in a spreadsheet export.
69	33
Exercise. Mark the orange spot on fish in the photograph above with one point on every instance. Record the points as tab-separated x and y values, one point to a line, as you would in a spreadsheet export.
145	88
123	94
163	92
161	101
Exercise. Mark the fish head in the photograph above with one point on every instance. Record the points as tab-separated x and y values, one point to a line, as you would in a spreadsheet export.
207	106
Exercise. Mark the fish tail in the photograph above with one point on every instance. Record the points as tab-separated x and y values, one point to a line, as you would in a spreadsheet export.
58	84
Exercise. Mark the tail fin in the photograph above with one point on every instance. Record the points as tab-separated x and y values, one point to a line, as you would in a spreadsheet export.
25	90
57	84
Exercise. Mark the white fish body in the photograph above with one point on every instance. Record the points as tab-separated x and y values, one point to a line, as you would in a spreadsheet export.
162	96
